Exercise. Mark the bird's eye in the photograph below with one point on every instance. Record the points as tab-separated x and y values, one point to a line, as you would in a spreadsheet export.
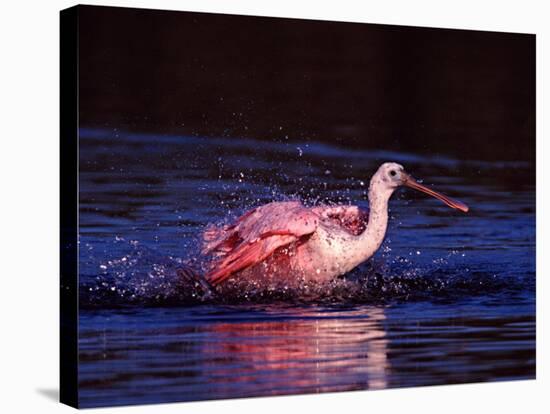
392	173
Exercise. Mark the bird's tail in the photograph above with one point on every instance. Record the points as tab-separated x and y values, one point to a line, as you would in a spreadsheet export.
194	279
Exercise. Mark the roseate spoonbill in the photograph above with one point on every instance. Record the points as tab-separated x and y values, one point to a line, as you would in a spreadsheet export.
286	239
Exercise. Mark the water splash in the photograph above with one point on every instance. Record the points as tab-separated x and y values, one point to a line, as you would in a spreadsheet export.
143	277
182	183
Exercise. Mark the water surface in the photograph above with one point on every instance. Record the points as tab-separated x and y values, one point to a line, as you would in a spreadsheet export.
449	298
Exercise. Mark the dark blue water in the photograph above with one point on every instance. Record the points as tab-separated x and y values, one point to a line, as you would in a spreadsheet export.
449	297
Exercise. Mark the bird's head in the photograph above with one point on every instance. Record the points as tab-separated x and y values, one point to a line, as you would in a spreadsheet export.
391	175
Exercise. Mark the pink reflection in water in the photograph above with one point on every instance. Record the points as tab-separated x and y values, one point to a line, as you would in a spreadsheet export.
308	353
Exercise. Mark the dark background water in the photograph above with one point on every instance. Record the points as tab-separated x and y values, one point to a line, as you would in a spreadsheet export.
466	93
188	119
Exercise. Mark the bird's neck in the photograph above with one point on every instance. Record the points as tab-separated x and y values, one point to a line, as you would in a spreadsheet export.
373	236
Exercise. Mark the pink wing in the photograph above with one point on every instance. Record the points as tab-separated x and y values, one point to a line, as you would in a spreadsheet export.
255	236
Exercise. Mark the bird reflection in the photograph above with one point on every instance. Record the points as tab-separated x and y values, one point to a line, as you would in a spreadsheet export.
304	351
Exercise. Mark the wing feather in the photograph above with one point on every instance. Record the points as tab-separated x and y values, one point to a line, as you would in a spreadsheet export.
255	236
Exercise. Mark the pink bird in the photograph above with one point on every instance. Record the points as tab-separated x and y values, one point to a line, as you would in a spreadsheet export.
282	240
